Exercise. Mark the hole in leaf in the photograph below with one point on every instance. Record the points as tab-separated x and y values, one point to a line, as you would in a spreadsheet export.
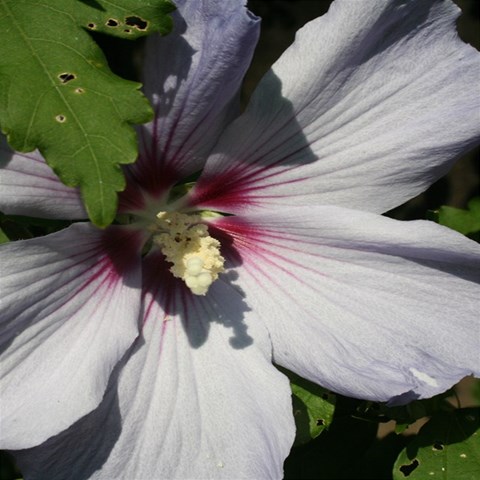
437	446
408	469
127	30
136	22
320	422
111	22
61	118
66	77
91	25
79	90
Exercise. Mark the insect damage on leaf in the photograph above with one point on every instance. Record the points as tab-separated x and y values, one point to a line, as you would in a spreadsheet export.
66	77
96	134
408	469
136	22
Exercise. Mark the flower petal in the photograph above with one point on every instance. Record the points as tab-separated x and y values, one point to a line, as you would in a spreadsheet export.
197	398
192	77
367	306
29	187
70	309
369	106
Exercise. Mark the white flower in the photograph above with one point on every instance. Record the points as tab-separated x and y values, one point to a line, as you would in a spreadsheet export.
118	365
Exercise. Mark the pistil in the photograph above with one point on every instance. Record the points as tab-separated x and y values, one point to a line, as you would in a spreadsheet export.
186	243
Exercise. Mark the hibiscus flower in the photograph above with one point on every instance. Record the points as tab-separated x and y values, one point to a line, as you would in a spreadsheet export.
147	350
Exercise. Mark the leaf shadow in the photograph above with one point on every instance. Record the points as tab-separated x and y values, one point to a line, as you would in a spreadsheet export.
94	4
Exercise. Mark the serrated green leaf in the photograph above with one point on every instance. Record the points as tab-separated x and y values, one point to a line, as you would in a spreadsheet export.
447	447
57	93
313	408
125	18
463	221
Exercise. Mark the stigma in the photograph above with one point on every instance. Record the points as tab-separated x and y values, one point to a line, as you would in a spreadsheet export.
187	245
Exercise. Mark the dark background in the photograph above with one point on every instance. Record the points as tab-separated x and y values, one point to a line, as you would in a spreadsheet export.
282	18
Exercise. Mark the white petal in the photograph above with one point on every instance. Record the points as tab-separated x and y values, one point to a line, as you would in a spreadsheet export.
70	306
192	77
29	187
367	306
370	105
198	398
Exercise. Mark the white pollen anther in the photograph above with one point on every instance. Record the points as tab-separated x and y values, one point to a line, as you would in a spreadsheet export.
186	244
194	265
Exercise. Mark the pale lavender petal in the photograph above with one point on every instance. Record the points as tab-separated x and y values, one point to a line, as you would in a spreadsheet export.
371	104
197	398
192	77
70	308
29	187
367	306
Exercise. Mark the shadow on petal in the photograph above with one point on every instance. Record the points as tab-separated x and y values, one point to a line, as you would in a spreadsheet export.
276	144
224	302
86	445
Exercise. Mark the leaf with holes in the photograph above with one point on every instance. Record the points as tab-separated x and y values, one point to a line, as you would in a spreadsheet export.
447	448
123	18
57	93
313	408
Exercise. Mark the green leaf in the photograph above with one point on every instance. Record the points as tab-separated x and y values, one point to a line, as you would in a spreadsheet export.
57	93
463	221
123	18
3	237
313	408
447	447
